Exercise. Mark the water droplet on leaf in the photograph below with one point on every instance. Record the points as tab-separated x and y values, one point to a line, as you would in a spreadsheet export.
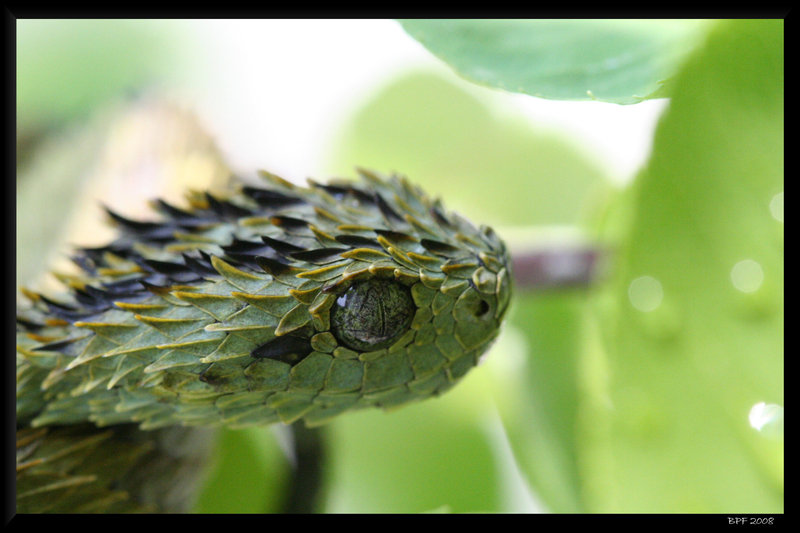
747	275
645	293
776	207
767	419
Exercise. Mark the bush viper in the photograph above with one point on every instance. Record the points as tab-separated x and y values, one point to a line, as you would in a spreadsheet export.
274	303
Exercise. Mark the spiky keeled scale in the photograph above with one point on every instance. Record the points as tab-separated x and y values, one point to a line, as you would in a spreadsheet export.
80	469
221	312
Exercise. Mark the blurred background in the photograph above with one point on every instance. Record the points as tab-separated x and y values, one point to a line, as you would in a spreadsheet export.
613	398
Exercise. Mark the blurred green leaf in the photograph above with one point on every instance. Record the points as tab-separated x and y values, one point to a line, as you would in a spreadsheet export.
492	166
248	474
618	61
540	411
64	67
692	326
430	456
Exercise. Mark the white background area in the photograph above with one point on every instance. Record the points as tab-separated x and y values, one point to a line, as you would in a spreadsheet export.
275	92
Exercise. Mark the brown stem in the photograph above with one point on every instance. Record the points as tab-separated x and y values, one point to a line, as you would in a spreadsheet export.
556	268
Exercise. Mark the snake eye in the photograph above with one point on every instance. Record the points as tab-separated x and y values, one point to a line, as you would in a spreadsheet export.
372	314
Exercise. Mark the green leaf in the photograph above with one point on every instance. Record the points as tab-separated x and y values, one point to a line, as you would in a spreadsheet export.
434	455
248	474
64	67
540	395
485	162
692	325
618	61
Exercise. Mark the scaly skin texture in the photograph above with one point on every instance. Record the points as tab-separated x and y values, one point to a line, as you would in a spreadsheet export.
84	469
274	304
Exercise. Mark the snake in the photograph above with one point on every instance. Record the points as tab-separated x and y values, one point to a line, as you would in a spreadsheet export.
270	303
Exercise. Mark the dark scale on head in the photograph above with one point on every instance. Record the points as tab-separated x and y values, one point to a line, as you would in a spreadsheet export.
372	314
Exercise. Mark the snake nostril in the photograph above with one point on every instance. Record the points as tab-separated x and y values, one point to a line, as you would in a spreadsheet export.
482	309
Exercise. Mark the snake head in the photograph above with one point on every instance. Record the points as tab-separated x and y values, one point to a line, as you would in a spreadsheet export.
420	295
269	304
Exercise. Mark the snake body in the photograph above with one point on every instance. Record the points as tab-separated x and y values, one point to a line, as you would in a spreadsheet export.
270	304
